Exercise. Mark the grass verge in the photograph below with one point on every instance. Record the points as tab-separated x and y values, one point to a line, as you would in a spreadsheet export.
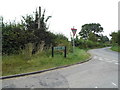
115	48
15	64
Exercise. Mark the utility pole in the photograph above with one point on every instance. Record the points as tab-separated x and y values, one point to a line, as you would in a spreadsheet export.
39	17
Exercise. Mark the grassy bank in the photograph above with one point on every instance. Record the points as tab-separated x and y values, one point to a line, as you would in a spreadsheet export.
15	64
115	48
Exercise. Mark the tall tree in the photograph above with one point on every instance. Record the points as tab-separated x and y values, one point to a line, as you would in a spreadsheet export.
104	39
94	28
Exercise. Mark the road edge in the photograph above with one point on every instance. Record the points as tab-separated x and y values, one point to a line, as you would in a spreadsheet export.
41	71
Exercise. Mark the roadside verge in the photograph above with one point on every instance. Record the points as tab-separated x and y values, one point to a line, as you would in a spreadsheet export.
36	72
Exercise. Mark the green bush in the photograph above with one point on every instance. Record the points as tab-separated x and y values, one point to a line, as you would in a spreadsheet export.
87	44
115	48
84	44
90	44
81	43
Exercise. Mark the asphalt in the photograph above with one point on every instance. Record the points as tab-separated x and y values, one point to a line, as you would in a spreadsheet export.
100	72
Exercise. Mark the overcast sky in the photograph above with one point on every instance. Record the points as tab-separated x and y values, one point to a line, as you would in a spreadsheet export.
66	13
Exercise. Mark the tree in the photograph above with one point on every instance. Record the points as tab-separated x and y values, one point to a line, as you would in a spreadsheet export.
26	36
17	35
114	38
92	37
92	28
104	39
39	35
13	38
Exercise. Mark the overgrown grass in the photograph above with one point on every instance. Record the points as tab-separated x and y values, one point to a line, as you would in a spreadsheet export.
115	48
16	64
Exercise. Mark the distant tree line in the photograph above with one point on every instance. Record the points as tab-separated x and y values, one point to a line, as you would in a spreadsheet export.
91	37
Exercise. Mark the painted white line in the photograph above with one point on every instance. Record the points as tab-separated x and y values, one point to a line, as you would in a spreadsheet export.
100	59
96	87
116	63
114	84
111	61
114	60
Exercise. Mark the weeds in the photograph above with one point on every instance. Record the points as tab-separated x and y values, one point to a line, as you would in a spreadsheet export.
15	64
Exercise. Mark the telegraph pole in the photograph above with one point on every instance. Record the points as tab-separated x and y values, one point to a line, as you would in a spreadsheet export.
39	17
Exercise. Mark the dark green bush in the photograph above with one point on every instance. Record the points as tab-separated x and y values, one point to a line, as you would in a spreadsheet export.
83	44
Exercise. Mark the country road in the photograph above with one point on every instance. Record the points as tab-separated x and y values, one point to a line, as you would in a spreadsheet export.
100	72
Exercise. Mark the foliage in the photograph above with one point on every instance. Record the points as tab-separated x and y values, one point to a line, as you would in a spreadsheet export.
119	37
104	39
115	41
115	48
15	64
92	28
91	37
16	36
115	37
84	44
12	39
61	40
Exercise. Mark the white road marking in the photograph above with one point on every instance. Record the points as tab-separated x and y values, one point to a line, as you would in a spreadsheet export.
114	84
114	60
116	63
100	58
106	60
96	87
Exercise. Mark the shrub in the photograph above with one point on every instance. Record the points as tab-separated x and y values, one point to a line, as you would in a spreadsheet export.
90	44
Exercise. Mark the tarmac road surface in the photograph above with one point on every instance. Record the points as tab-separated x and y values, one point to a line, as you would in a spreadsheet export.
100	72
